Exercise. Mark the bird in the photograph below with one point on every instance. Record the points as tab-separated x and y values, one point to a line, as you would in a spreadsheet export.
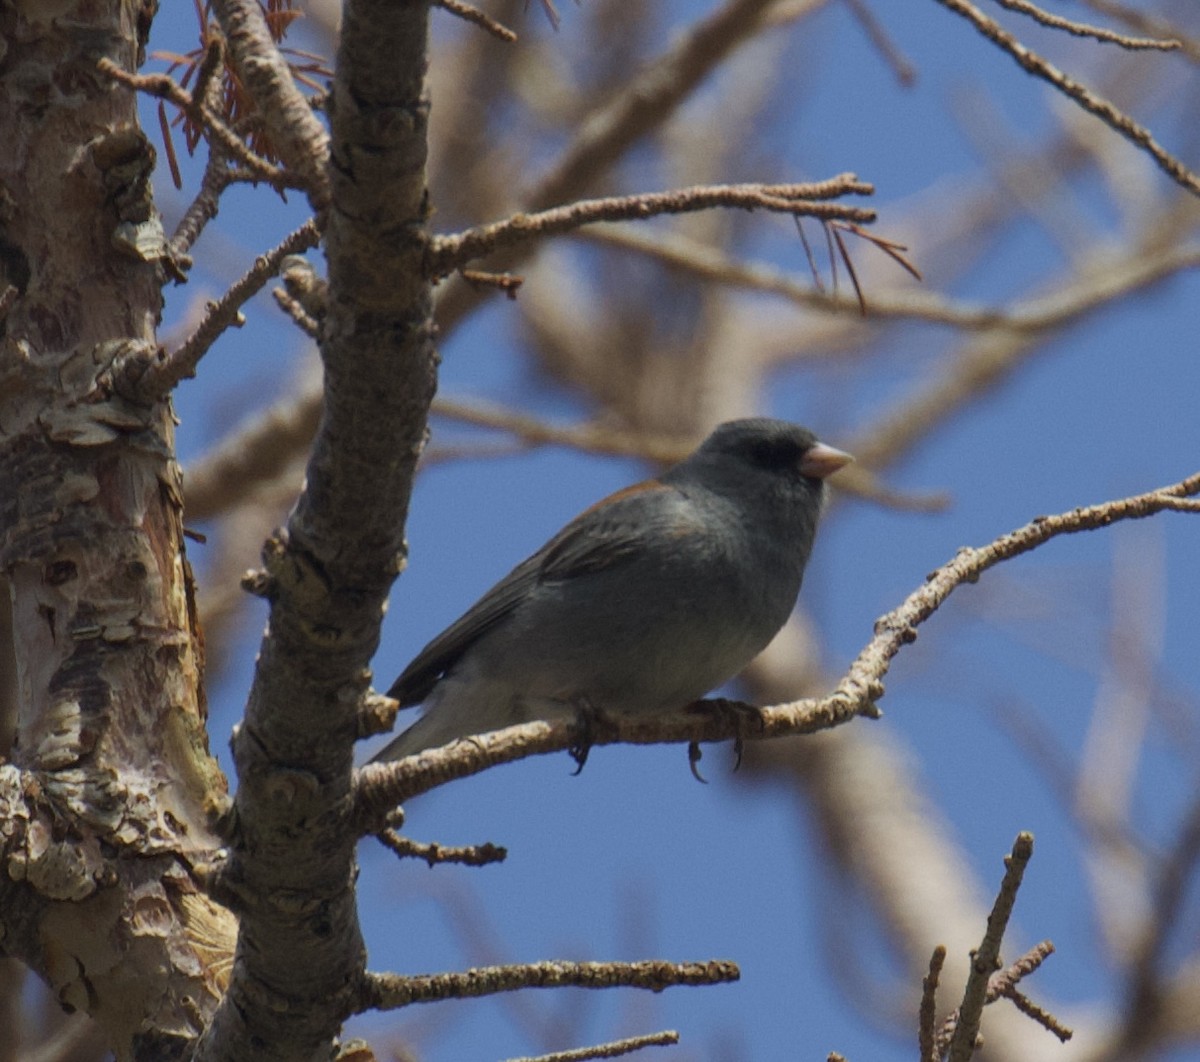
643	603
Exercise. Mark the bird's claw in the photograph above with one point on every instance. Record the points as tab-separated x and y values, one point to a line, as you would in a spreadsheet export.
587	716
743	715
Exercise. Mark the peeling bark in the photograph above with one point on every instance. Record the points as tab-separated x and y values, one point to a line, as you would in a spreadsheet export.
106	799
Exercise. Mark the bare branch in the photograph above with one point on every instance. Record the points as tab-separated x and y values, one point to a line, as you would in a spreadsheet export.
998	352
476	855
203	208
163	87
927	1026
159	374
448	253
1005	984
300	317
1082	29
1111	115
905	73
612	1049
479	18
1146	976
643	104
393	991
296	133
1097	285
380	787
1005	981
987	958
1002	984
649	98
330	568
1183	505
1146	22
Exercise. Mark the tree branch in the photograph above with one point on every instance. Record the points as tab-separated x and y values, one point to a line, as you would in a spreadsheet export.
163	87
380	787
612	1049
607	132
300	953
393	991
1081	29
155	374
296	133
1111	115
986	959
448	253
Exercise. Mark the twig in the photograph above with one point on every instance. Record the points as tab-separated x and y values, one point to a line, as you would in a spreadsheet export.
157	377
904	71
300	317
1114	117
447	253
1183	505
986	959
393	991
505	282
612	1049
927	1024
379	787
643	104
476	855
649	98
1005	981
998	352
479	18
218	175
203	208
162	87
1082	29
1038	1014
589	438
1004	985
1099	283
1153	25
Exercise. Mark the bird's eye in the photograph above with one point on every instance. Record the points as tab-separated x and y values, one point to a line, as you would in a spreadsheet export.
776	454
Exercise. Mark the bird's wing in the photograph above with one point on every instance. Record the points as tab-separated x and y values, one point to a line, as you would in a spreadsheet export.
608	534
611	531
439	655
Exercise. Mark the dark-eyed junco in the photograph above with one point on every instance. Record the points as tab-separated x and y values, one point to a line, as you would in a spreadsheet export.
642	603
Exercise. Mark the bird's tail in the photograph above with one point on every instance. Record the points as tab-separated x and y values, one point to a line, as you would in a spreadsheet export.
428	732
454	709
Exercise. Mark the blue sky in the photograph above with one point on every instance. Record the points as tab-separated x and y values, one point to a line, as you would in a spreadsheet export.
633	859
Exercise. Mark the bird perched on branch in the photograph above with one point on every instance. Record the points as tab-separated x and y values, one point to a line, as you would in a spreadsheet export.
643	603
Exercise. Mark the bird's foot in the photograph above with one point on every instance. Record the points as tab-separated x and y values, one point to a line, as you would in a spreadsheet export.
746	718
588	721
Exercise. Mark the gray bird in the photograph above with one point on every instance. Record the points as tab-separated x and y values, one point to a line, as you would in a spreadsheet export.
643	603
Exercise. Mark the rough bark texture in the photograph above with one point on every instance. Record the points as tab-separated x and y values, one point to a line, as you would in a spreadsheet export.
103	804
300	955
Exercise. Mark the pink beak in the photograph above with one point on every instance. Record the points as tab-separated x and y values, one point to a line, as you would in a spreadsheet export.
820	461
